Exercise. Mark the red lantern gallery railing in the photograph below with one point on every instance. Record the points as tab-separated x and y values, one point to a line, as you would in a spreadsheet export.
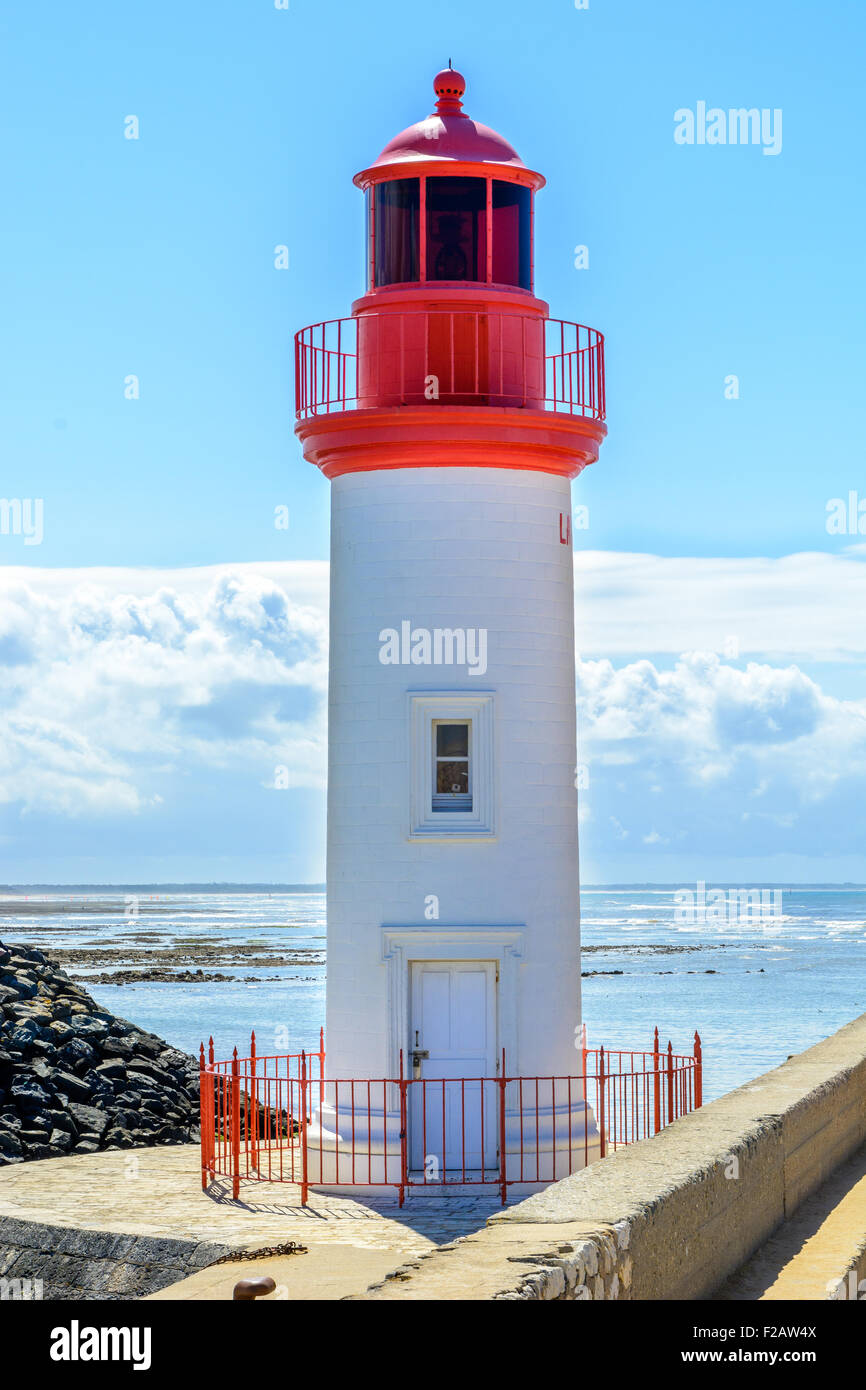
280	1119
449	357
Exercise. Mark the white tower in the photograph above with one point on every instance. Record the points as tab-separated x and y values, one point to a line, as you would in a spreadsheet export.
450	414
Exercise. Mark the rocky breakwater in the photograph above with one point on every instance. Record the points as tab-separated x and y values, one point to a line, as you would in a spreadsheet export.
74	1078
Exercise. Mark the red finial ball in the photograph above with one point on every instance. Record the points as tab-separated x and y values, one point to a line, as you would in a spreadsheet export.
449	83
449	87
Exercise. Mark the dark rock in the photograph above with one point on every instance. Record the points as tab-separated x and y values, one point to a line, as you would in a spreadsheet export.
172	1135
30	1137
75	1078
88	1027
88	1118
72	1085
118	1139
24	987
136	1075
61	1120
37	1122
78	1052
110	1071
28	1094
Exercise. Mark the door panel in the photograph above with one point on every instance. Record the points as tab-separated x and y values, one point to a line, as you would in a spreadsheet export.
452	1112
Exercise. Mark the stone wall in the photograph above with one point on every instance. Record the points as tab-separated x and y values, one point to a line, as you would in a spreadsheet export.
92	1265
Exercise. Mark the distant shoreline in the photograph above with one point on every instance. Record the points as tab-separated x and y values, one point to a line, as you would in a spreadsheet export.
18	889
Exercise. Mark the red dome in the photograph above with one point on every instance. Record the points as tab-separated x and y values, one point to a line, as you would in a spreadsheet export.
448	135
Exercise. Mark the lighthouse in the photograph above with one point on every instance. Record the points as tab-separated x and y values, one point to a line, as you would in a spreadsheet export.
450	414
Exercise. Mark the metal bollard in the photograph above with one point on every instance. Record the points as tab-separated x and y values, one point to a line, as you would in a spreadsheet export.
248	1289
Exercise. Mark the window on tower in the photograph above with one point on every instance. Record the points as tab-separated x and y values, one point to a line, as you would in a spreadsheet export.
452	773
512	252
456	229
396	214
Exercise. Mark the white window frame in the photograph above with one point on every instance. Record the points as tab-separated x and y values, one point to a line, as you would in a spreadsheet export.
452	707
469	759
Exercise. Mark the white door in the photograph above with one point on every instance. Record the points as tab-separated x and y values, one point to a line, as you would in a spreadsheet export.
453	1112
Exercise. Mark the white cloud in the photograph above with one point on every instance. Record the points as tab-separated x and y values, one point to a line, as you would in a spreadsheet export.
121	686
708	749
807	607
114	677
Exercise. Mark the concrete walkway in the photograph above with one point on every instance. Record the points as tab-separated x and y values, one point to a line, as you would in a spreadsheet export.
808	1256
351	1242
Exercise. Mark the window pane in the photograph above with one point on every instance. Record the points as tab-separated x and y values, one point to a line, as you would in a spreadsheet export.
511	234
397	211
456	229
452	740
453	778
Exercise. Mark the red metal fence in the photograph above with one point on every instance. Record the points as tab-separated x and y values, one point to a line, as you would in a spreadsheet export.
280	1119
453	357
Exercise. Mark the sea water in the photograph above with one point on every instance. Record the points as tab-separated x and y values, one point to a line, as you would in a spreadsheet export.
756	991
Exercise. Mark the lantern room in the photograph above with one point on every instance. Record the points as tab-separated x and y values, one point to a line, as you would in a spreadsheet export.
449	202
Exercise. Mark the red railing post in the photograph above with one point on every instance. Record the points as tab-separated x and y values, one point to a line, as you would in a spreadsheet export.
235	1126
305	1186
699	1072
321	1065
252	1102
503	1158
671	1115
601	1100
202	1121
657	1095
404	1123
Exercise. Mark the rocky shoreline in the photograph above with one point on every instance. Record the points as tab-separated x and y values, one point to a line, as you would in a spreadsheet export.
184	963
75	1078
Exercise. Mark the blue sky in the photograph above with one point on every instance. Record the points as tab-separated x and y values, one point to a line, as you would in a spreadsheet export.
155	257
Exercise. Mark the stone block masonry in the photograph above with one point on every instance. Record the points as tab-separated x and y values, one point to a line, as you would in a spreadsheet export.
84	1265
